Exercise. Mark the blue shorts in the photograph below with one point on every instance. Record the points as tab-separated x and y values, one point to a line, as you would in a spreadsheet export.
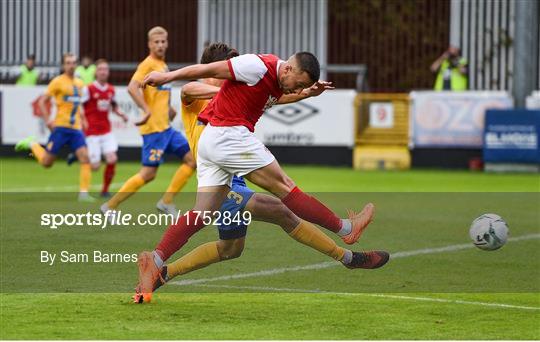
155	145
61	136
235	203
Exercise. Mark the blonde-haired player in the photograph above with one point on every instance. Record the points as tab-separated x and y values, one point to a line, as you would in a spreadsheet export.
65	128
158	136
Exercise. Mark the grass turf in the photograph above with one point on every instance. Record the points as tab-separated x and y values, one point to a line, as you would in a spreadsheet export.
261	316
404	222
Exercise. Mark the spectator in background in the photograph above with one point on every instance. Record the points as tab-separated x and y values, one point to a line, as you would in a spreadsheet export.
28	75
86	71
451	71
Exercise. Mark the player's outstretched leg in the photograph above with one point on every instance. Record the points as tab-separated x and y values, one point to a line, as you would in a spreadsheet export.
108	173
180	178
153	275
270	209
85	175
41	155
180	147
309	235
131	186
202	256
274	179
209	199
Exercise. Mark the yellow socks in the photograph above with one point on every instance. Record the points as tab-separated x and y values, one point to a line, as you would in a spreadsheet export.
207	254
177	183
130	186
200	257
84	177
311	236
38	151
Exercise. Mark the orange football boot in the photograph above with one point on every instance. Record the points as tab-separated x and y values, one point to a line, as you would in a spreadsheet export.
359	222
149	274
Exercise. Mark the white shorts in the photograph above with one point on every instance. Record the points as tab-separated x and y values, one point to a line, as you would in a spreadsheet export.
224	152
99	145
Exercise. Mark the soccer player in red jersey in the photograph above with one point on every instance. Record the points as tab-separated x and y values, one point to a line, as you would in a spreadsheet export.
98	99
228	147
262	207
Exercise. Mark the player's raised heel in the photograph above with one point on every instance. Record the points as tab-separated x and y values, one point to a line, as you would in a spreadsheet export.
359	222
369	260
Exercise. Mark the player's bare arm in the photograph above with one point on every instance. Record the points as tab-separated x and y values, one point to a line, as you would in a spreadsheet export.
84	121
198	91
46	114
134	90
315	90
219	70
116	110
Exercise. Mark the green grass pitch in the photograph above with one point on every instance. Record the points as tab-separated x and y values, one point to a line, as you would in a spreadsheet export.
438	286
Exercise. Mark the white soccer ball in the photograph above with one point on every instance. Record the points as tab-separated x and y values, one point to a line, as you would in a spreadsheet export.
489	232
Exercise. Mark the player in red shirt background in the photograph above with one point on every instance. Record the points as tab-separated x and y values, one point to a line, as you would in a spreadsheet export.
98	99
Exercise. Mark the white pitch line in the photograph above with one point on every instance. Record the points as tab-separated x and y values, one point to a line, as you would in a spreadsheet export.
55	188
378	295
328	264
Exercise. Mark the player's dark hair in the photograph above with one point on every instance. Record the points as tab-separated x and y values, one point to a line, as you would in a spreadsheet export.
216	52
31	57
307	62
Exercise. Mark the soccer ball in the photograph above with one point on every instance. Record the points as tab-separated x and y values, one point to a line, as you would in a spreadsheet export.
489	232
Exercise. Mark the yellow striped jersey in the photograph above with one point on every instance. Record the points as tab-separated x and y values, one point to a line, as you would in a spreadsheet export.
157	98
67	93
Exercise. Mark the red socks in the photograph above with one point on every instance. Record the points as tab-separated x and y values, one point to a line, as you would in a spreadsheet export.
107	177
178	234
310	209
303	205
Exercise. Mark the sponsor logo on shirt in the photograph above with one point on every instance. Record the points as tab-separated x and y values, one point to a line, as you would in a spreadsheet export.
166	87
72	98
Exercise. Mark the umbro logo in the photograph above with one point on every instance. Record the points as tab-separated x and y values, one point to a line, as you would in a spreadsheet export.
292	113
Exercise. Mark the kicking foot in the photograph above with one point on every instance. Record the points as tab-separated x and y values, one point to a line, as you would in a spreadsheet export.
368	260
86	198
169	209
359	222
138	297
25	144
149	276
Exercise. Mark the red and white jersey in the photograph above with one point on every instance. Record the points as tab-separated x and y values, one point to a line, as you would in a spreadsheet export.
242	101
97	101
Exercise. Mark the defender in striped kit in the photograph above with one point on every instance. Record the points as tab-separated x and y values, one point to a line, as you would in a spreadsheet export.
65	128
